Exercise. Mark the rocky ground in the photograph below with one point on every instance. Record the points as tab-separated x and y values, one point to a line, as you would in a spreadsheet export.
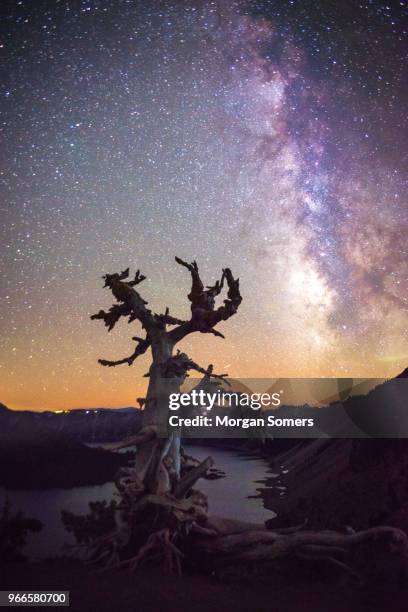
338	484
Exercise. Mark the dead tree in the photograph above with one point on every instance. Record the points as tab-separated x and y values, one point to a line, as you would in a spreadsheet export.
160	513
168	370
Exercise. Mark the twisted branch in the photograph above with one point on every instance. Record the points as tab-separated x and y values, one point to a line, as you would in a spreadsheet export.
204	315
141	348
113	315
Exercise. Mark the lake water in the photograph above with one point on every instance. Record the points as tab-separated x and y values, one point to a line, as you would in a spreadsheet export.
232	496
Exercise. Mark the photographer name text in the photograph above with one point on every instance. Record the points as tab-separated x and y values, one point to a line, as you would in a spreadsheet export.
242	422
205	402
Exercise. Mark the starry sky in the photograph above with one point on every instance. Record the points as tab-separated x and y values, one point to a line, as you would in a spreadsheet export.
265	136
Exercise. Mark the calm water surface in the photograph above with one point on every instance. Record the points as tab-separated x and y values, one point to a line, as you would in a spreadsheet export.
228	496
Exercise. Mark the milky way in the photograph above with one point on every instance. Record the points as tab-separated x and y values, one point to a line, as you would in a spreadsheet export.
266	136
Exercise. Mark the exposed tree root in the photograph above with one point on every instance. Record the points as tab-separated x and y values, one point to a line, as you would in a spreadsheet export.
260	545
160	516
168	526
160	544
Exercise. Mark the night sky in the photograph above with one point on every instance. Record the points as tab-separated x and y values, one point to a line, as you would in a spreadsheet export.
270	137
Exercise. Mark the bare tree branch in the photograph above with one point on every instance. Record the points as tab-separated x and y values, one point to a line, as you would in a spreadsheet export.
204	315
138	279
168	319
189	480
199	297
131	303
113	315
187	364
141	348
214	332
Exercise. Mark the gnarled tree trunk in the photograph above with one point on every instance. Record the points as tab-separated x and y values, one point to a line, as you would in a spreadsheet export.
160	513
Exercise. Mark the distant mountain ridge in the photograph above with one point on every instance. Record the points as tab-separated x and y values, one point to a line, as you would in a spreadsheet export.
88	425
3	407
381	411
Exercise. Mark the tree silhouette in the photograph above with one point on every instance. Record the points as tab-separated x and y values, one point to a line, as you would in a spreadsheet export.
160	514
14	529
168	370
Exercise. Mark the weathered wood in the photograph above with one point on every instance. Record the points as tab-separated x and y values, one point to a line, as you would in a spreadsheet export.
158	501
146	434
167	371
252	545
189	480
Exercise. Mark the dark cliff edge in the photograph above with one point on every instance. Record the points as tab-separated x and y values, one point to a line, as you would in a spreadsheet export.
50	449
39	450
